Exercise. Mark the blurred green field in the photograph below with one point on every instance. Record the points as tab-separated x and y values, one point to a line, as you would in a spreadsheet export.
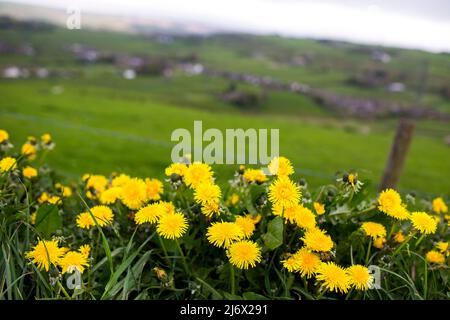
103	123
101	130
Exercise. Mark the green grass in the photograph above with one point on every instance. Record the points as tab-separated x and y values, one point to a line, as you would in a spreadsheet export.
101	130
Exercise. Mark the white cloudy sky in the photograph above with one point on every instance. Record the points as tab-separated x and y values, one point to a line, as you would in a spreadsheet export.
406	23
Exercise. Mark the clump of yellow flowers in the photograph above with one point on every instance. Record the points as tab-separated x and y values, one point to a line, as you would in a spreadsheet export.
265	231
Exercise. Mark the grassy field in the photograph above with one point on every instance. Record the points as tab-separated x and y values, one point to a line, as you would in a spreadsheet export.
100	130
103	123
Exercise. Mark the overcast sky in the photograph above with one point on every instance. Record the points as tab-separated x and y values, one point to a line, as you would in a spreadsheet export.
421	24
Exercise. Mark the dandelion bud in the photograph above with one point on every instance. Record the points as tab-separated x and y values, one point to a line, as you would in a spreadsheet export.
261	200
174	177
345	177
160	273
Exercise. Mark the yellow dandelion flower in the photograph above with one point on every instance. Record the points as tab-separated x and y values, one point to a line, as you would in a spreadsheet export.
442	246
379	243
85	250
434	256
169	208
374	230
399	237
291	263
46	138
4	136
247	225
54	200
399	213
7	164
289	213
281	166
154	189
333	277
319	208
46	253
102	214
207	192
305	218
110	195
65	191
211	208
244	254
150	213
33	218
96	184
254	175
234	199
46	198
257	218
29	172
120	180
134	193
389	200
176	168
439	205
43	197
72	261
423	222
284	192
28	150
222	234
360	277
197	173
172	226
308	262
352	177
84	220
317	240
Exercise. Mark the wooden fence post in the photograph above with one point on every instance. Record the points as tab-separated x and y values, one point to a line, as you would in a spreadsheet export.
397	156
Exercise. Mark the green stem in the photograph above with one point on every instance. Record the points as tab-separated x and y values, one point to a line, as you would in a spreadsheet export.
347	297
425	289
321	293
63	290
351	195
403	244
368	252
164	250
97	246
420	240
292	238
284	225
186	269
368	209
392	230
232	280
43	156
